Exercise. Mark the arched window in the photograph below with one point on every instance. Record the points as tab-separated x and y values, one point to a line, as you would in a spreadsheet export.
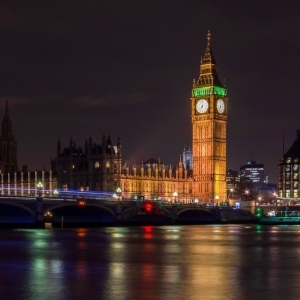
97	165
107	164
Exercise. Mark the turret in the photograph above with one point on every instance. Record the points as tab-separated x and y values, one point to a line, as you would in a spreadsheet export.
180	168
103	144
109	146
163	171
71	145
86	146
156	171
142	170
127	169
119	147
170	171
134	170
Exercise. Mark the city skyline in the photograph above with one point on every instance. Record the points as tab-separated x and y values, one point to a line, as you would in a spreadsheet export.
121	72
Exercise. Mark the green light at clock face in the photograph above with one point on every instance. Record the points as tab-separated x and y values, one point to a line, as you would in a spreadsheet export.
209	90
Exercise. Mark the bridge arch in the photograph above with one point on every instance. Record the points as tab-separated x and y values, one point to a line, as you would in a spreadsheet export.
85	216
194	214
21	206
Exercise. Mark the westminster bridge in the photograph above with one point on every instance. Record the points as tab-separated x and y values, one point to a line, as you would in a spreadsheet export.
37	211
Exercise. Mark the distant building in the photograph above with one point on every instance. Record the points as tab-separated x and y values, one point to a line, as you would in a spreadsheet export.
288	187
187	158
233	183
252	172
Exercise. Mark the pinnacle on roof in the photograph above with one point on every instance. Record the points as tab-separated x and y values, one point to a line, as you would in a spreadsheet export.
7	125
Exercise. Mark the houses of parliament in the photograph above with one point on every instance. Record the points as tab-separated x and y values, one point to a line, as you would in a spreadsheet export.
199	174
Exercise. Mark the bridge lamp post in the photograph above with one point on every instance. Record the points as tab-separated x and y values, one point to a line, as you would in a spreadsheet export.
275	197
55	193
175	194
259	200
115	196
247	193
217	200
119	191
39	187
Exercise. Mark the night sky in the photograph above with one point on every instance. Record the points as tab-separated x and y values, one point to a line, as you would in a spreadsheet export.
75	68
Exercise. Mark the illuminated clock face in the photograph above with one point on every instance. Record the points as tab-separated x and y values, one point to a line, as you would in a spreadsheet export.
220	106
202	106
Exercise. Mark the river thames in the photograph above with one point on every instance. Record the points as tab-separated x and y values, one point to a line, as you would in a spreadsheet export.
151	262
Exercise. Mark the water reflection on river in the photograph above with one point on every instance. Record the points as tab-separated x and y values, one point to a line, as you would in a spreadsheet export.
164	262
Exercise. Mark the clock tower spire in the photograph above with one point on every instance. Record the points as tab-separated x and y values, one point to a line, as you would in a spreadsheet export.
209	119
8	145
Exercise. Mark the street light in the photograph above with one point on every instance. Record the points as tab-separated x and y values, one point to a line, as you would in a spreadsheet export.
196	201
275	197
259	199
247	193
175	194
55	193
119	191
39	187
217	199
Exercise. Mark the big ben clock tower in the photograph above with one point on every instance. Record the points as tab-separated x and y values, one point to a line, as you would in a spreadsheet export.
209	118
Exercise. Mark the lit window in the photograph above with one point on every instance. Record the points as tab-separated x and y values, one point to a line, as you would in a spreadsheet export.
295	184
107	164
97	165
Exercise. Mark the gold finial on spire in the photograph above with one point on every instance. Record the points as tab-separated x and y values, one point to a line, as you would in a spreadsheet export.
208	41
208	35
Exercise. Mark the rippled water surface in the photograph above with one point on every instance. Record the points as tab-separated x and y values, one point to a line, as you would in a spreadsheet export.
163	262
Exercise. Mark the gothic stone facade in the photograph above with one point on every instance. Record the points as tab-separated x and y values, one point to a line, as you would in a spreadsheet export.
95	167
153	180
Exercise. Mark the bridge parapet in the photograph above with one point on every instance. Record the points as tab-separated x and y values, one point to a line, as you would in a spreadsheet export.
122	211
